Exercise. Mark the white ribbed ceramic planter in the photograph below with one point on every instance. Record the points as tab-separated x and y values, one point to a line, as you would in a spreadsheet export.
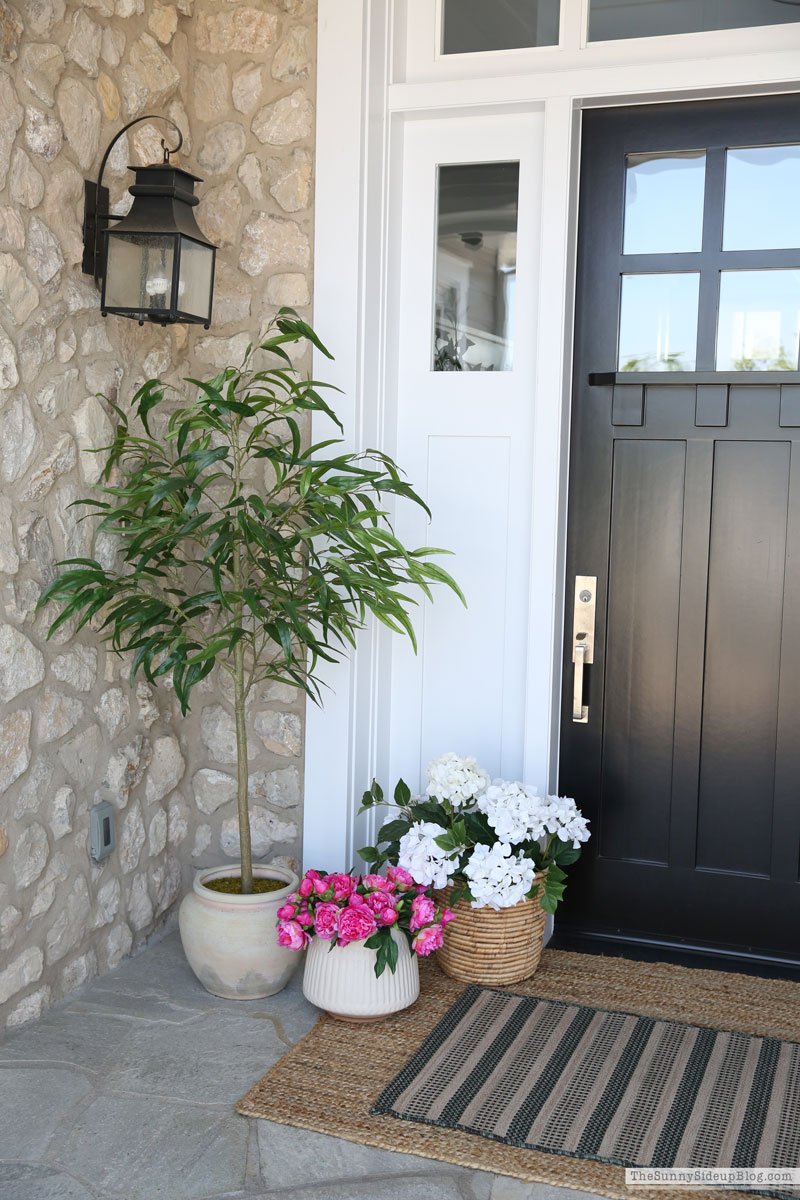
342	980
231	941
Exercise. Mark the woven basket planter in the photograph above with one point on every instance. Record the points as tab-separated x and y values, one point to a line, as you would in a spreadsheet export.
492	946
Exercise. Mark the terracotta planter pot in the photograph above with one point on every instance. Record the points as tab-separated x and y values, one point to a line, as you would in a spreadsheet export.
231	941
342	980
492	947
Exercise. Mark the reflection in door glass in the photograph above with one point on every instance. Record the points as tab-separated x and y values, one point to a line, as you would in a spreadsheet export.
762	184
610	20
658	322
476	267
473	26
664	202
759	321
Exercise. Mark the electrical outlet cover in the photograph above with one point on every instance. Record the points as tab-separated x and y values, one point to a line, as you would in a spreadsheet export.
101	826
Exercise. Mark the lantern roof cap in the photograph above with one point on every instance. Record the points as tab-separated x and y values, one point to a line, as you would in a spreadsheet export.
165	179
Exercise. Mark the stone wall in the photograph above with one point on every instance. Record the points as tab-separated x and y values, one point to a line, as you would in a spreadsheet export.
238	79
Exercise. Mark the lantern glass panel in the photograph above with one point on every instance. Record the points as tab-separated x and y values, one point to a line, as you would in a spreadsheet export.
195	279
139	271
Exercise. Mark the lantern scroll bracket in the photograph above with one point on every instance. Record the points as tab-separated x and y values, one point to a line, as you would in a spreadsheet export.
96	199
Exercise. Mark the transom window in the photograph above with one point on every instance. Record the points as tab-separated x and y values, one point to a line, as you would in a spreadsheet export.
473	26
611	20
478	26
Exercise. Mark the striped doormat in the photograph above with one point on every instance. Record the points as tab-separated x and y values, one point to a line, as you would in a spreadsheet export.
610	1086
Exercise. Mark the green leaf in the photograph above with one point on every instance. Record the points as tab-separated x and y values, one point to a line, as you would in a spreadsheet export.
429	810
402	794
393	830
459	831
369	853
564	854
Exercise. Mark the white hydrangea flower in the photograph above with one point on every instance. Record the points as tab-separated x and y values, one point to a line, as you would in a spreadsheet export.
566	821
515	811
419	855
498	878
459	780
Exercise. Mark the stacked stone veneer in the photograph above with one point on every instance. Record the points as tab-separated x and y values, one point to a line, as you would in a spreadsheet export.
238	78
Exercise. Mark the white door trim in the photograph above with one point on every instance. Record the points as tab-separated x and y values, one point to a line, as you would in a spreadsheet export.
376	71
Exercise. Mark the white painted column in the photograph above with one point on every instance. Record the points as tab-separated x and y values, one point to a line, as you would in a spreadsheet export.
551	441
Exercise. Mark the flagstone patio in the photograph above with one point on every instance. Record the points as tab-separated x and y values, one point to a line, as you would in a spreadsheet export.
126	1092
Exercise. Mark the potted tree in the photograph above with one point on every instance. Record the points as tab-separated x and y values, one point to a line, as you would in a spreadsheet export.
266	577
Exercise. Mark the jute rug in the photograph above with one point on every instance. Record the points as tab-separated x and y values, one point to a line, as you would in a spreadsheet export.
613	1086
330	1080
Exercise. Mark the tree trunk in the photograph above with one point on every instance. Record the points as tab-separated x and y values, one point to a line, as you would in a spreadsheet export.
241	768
241	738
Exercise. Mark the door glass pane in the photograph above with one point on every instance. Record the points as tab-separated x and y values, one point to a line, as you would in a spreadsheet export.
759	321
762	184
610	20
664	202
471	26
658	322
476	267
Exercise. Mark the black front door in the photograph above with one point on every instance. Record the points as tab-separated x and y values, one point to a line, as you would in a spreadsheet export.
685	507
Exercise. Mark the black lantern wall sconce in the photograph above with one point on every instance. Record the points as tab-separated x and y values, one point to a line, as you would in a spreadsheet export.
154	264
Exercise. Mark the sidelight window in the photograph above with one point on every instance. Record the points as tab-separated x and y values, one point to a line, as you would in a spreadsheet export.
476	267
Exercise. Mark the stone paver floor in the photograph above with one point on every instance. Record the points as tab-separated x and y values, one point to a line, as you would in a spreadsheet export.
126	1092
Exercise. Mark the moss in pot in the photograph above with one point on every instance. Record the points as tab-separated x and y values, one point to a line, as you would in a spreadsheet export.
266	582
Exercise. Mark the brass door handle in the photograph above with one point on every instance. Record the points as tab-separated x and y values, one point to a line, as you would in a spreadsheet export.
582	641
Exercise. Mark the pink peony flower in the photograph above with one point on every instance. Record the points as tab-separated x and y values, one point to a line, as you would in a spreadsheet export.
326	916
342	885
423	912
400	878
383	903
355	923
427	940
447	916
356	901
286	912
304	918
306	886
377	882
292	936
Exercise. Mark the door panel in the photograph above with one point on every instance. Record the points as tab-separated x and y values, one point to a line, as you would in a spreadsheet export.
685	503
465	371
745	610
644	582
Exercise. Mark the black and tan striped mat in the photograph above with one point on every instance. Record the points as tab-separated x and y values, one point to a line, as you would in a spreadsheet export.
594	1084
